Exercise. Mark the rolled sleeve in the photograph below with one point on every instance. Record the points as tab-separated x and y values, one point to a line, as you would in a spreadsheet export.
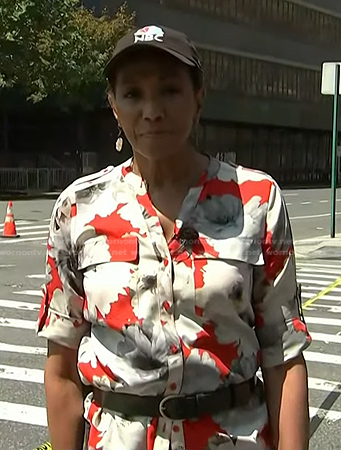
279	321
61	313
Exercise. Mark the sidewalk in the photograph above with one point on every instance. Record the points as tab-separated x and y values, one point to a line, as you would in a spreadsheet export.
323	247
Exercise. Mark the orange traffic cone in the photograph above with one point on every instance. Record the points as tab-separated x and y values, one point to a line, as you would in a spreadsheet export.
10	230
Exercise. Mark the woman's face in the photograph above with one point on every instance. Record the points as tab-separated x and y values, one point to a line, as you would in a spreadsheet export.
155	103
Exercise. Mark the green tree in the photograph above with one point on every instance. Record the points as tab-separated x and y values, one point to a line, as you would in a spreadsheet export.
57	49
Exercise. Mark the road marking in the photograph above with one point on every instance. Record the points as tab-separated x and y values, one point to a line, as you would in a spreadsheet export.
24	222
323	321
313	216
317	282
13	304
328	415
18	240
34	293
324	201
25	349
19	222
335	271
333	298
324	385
322	358
327	338
316	275
306	294
32	227
330	288
32	233
5	266
31	415
288	204
21	374
322	266
331	308
316	288
291	194
18	323
305	203
42	276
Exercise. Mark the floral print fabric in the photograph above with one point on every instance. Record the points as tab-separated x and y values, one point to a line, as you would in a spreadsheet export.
150	317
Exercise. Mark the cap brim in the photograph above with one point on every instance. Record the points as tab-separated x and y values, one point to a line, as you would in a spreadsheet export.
135	48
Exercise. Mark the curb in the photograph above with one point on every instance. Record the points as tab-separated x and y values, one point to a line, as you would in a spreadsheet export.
321	247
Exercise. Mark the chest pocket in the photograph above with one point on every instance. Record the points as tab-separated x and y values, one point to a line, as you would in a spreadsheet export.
109	279
100	250
223	281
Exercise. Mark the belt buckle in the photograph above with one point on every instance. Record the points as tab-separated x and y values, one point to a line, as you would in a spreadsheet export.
162	407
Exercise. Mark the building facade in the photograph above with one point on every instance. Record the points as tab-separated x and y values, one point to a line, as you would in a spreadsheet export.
262	60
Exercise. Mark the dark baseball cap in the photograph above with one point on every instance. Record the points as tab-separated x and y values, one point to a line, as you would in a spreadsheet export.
171	41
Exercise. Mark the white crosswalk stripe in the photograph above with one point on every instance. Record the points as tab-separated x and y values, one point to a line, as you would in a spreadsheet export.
28	414
21	374
24	349
315	278
30	292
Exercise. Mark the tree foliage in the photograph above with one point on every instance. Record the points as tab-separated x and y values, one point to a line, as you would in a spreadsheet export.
57	48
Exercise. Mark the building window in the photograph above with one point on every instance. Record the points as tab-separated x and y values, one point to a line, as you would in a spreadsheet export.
252	77
274	14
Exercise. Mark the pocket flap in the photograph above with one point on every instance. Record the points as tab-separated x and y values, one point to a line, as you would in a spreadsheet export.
102	249
239	249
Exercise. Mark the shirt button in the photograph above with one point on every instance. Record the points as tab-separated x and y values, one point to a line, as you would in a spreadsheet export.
173	386
176	429
166	306
174	349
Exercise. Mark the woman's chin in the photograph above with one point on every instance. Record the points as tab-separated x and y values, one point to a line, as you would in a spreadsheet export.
158	148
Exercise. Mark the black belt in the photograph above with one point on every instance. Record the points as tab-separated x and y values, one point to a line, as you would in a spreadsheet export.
177	407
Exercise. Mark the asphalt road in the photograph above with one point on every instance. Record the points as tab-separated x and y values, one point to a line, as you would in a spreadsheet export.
22	354
310	210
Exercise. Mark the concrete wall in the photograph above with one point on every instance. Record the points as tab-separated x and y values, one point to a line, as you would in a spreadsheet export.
222	107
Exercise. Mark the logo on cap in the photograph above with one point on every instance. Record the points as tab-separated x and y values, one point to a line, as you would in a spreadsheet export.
148	34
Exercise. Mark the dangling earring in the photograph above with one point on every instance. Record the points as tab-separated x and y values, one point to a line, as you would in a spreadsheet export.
119	141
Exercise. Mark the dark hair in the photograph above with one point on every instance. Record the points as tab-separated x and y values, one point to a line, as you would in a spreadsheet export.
197	78
195	74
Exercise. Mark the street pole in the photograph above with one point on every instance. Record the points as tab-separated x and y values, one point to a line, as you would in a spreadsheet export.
334	149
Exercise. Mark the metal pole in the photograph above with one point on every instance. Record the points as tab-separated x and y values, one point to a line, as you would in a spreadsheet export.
334	149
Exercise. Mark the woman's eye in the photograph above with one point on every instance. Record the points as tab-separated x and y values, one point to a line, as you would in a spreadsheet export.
131	94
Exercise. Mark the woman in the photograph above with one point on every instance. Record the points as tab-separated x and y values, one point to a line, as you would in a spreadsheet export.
171	279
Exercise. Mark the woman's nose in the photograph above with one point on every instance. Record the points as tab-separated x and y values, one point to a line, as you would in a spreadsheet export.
153	110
